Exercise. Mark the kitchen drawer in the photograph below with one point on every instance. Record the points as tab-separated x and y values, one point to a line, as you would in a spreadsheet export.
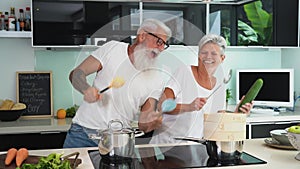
47	140
263	130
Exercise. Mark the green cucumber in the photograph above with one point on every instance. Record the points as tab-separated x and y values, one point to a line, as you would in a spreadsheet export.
253	91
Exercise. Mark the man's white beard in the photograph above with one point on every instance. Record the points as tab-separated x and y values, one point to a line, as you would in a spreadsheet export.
141	60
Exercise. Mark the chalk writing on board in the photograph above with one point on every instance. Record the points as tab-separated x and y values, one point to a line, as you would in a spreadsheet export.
34	90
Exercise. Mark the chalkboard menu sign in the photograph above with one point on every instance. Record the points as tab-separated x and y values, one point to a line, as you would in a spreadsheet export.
35	90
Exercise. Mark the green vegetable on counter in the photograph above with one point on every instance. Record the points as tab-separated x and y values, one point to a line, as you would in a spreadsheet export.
52	161
71	111
252	92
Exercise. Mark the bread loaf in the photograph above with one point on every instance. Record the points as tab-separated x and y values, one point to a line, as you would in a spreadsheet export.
18	106
7	104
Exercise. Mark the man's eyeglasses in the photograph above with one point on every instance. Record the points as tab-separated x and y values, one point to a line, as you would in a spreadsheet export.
159	41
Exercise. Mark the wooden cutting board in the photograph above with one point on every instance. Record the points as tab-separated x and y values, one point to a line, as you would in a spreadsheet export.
32	159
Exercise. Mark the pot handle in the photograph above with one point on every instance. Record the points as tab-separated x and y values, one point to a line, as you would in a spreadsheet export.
115	124
197	140
94	137
138	133
66	157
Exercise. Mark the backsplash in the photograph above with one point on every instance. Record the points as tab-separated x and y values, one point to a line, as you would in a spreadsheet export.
62	61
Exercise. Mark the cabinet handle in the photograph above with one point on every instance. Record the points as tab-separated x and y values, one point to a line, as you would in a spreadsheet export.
287	122
255	124
283	122
50	132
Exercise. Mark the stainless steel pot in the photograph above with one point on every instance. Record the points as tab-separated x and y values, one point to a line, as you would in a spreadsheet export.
220	152
115	142
224	152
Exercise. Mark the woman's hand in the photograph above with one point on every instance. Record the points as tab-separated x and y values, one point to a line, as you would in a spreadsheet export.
197	104
149	118
244	108
91	95
149	121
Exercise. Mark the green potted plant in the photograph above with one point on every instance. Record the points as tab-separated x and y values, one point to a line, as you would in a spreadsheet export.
228	96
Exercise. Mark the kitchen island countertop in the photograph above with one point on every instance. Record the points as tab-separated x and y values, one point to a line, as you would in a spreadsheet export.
275	158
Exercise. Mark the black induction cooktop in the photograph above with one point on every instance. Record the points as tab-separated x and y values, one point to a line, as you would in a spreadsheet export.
182	156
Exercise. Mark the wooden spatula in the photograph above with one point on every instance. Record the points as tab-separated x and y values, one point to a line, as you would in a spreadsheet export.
116	83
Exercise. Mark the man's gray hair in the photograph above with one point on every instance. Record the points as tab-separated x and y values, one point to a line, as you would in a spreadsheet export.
152	25
213	38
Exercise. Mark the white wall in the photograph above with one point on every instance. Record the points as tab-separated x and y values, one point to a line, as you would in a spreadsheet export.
15	55
291	59
18	55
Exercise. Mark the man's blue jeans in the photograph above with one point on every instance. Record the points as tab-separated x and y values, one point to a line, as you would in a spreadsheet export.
78	136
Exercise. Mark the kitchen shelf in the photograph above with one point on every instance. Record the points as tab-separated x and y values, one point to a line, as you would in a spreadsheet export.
15	34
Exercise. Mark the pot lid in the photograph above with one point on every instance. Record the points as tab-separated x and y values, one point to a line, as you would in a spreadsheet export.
116	127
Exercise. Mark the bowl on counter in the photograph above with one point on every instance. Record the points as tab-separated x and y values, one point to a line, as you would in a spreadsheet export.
11	115
280	136
295	141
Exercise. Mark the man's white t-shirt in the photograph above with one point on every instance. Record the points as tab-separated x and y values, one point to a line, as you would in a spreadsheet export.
188	124
118	103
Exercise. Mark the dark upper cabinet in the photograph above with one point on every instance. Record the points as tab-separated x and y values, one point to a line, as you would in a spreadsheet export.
186	20
286	19
72	22
257	22
241	22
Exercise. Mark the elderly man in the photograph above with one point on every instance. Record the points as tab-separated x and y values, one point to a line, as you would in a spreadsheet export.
138	96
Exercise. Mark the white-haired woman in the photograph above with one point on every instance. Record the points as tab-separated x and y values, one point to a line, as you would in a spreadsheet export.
190	87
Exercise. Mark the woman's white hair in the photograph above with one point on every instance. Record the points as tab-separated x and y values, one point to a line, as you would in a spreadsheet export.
152	25
213	38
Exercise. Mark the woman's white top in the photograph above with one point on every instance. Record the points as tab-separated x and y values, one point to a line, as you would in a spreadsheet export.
188	124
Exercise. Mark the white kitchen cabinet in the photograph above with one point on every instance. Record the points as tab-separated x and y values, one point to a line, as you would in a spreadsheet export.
260	125
15	34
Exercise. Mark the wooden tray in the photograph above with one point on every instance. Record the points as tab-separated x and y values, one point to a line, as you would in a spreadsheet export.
32	159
